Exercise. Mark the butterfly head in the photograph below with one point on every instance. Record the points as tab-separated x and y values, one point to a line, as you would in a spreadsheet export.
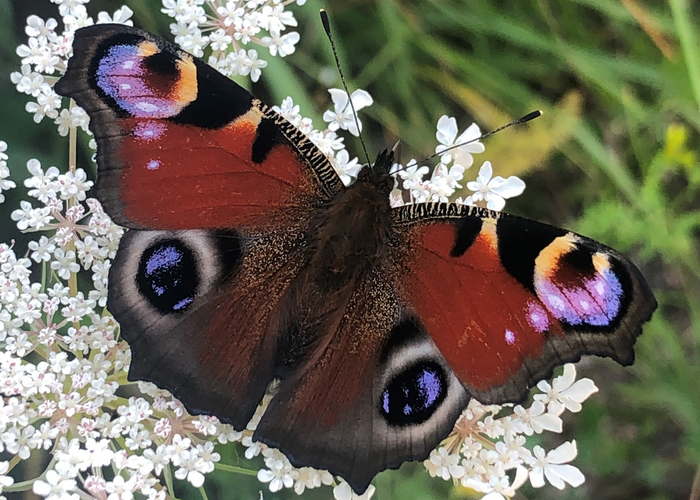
378	174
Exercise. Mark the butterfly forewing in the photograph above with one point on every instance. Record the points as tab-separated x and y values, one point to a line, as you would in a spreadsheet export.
508	299
180	146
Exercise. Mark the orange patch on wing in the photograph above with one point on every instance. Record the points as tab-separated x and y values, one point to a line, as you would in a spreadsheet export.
185	89
148	48
547	261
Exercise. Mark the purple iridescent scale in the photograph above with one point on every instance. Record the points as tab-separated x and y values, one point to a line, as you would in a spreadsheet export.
596	301
122	75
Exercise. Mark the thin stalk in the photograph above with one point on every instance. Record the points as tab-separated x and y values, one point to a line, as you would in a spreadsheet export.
236	470
684	29
203	493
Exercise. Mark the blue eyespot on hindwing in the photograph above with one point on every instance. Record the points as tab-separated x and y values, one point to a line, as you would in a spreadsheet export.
413	395
168	276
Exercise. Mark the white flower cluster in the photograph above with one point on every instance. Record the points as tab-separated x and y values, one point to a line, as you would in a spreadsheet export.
487	450
455	157
45	57
444	180
5	183
227	28
328	141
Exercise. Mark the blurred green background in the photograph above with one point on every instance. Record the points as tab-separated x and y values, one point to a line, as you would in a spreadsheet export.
614	157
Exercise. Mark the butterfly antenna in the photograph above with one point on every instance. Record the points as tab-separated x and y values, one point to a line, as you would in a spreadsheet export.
530	116
327	28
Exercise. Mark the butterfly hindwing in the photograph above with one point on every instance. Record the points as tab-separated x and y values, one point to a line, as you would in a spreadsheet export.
508	299
378	393
198	310
180	146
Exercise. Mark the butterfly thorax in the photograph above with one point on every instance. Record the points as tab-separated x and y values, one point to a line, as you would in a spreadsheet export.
352	237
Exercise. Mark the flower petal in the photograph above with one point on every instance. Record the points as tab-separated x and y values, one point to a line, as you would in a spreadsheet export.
472	132
570	474
360	99
581	390
566	452
507	188
495	202
537	477
446	130
485	173
553	478
567	378
339	98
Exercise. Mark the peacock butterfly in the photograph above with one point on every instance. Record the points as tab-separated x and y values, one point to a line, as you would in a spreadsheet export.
248	260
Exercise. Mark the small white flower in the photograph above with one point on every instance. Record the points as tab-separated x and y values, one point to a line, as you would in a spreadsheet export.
190	469
554	466
344	492
56	487
120	489
42	184
22	215
309	478
65	263
443	464
120	16
254	65
342	116
220	40
28	81
345	168
494	191
38	28
281	44
421	191
47	104
278	472
537	419
412	175
244	30
565	392
447	137
289	110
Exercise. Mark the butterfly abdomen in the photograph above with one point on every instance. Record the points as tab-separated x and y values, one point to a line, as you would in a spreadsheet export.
348	241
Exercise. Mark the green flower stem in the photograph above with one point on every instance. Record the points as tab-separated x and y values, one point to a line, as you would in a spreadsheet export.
73	143
203	493
22	486
72	160
27	485
43	275
236	470
168	475
684	30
